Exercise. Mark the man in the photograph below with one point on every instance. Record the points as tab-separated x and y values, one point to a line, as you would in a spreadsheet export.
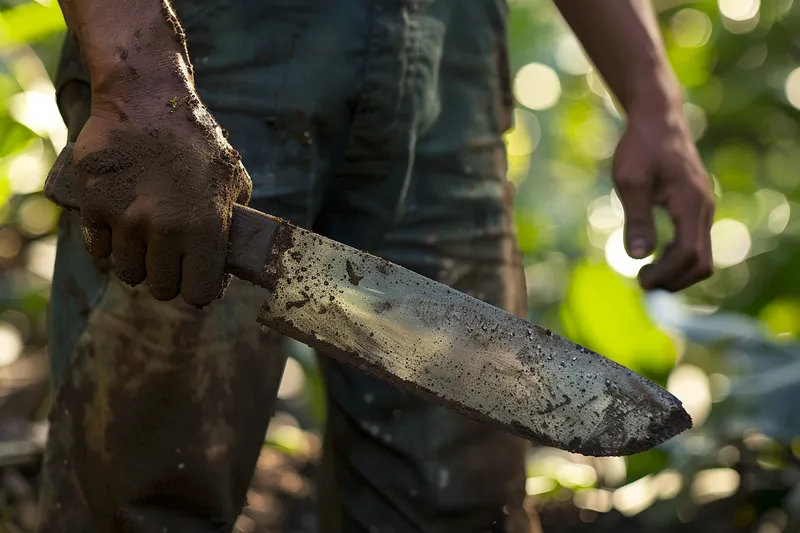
375	122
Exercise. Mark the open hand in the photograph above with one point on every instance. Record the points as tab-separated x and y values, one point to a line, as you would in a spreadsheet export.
657	164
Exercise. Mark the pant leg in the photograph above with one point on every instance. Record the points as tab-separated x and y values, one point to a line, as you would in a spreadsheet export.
160	409
394	463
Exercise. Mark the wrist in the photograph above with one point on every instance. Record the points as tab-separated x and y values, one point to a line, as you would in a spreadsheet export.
149	98
654	93
140	50
141	78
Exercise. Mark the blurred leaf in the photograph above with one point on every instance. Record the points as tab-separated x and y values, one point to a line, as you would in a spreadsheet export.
605	312
645	463
30	22
782	316
765	381
15	137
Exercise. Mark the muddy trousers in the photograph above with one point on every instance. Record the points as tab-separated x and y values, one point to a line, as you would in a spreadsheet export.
342	110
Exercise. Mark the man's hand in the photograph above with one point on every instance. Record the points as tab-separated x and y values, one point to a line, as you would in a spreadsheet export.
656	163
157	192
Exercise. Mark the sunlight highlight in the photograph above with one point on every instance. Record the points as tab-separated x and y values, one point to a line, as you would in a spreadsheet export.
691	385
618	259
293	380
691	28
730	242
570	57
635	497
11	343
714	484
526	134
739	10
41	257
38	111
537	86
792	88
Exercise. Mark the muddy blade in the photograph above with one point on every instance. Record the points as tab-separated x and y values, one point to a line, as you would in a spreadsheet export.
460	352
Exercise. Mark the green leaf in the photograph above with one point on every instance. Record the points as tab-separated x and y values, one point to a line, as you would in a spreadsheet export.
605	312
13	137
30	22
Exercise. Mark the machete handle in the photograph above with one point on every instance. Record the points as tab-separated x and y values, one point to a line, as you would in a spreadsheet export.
248	241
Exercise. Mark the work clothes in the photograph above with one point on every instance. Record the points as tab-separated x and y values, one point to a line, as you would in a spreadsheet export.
378	123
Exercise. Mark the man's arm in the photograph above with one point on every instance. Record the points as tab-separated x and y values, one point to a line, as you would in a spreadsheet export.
156	176
129	48
656	162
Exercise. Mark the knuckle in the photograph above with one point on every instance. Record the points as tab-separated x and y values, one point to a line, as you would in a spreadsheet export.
127	222
205	225
161	225
705	269
701	195
690	255
630	179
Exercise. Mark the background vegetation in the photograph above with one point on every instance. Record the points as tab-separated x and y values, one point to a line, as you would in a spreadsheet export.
728	347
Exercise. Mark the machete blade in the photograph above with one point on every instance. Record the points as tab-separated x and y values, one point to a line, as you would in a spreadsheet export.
461	352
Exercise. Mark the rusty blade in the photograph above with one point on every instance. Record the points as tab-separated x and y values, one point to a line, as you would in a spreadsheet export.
461	352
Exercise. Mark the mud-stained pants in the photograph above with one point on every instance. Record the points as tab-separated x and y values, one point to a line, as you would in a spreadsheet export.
377	123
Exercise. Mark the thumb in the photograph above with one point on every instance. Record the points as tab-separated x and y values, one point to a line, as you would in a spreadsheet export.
635	188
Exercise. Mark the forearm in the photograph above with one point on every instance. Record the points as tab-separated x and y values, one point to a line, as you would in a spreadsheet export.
129	48
623	40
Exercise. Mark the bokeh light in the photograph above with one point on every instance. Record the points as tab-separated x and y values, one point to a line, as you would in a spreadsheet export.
10	243
618	259
41	257
739	10
635	497
570	57
696	117
37	216
690	384
537	86
714	484
27	170
11	343
730	242
38	111
690	27
792	88
525	135
293	381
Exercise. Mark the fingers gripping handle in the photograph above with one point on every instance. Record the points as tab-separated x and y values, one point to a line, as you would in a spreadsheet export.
249	238
59	187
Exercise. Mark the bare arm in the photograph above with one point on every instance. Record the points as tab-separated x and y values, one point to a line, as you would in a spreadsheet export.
623	41
656	162
130	49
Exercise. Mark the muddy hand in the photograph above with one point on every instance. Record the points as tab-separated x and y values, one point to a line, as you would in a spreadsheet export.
157	182
656	163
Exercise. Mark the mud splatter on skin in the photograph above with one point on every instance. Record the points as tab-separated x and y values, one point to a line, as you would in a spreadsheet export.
186	188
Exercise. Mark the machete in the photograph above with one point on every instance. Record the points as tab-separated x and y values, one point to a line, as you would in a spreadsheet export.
434	341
